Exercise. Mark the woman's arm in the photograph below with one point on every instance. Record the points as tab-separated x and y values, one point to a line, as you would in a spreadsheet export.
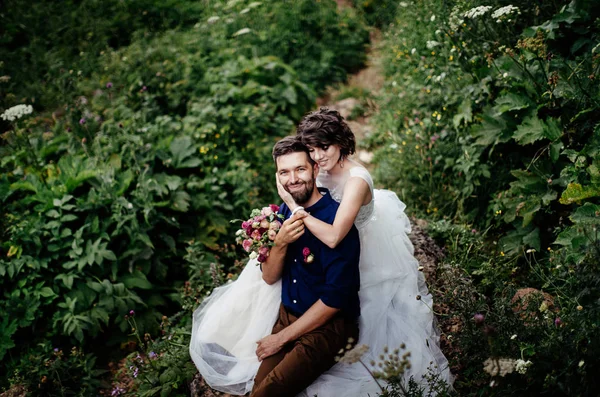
356	194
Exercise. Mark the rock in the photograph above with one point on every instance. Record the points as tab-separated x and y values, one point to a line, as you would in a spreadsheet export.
524	296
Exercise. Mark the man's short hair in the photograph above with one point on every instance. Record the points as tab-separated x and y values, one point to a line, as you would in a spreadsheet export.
290	144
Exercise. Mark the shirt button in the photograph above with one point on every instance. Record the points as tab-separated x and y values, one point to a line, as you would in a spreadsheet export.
294	301
294	281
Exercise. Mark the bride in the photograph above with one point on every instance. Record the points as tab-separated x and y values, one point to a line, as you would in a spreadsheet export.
395	303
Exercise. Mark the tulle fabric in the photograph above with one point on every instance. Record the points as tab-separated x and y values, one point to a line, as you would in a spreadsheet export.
226	327
228	324
391	314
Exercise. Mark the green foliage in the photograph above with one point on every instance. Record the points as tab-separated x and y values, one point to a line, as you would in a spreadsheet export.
55	371
126	192
493	122
554	331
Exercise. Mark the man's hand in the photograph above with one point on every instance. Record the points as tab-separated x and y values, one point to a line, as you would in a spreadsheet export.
290	231
268	346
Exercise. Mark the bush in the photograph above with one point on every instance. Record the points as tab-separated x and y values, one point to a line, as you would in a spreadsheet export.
490	113
164	142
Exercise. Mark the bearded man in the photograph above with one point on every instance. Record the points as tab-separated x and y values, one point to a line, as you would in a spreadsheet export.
319	298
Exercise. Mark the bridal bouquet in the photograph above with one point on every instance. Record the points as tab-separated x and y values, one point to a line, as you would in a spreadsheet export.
258	233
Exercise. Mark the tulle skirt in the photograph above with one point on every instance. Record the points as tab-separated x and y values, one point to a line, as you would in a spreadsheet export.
396	309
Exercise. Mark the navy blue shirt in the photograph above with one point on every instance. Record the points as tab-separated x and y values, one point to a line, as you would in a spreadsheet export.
332	276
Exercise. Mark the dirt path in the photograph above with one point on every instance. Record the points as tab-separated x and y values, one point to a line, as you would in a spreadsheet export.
354	100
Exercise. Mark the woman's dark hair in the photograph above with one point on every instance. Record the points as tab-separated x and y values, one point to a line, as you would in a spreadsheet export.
290	144
326	127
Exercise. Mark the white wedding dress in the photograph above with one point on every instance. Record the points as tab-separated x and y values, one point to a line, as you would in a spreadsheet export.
235	316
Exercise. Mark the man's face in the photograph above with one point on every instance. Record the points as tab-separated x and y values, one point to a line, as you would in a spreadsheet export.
297	175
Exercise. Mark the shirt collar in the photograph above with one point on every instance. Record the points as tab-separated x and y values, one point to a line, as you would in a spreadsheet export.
322	202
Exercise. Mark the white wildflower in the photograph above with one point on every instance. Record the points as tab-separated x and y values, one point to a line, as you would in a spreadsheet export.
531	250
455	19
403	4
130	206
432	18
522	365
477	12
245	11
499	366
16	112
352	356
581	363
413	51
242	31
213	19
431	44
513	337
394	146
4	79
254	4
504	12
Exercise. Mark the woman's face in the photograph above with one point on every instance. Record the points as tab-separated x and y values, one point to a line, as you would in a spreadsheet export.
327	156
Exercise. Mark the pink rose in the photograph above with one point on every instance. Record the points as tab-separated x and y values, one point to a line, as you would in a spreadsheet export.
272	234
275	225
274	207
267	211
306	251
264	250
261	258
264	224
246	225
247	244
256	234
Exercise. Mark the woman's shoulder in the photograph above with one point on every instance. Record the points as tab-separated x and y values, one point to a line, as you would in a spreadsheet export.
359	171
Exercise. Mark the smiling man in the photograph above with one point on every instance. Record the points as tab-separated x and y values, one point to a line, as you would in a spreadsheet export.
320	306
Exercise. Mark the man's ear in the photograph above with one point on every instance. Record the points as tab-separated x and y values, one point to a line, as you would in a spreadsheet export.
315	169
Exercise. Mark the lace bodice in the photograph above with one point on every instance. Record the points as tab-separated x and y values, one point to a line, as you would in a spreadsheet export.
336	189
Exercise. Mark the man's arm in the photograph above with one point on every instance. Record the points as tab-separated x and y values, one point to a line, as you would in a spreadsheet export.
290	231
317	315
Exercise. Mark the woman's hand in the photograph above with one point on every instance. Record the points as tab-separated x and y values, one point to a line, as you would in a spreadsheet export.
286	197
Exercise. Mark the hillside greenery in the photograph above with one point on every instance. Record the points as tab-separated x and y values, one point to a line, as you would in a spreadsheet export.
151	127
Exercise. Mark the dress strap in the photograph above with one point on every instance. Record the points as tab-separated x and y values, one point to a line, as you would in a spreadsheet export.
364	174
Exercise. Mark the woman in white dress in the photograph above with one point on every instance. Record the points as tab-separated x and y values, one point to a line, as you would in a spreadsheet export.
395	304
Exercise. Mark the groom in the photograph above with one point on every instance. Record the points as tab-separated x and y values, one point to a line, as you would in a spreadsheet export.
320	306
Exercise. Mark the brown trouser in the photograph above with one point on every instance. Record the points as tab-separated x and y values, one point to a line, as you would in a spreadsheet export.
300	362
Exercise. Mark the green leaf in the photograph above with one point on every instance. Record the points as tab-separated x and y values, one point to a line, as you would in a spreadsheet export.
182	149
464	114
552	129
575	193
489	131
531	130
136	280
588	214
533	239
555	149
180	201
511	102
47	292
53	213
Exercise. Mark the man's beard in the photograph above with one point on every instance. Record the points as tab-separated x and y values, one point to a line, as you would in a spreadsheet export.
302	196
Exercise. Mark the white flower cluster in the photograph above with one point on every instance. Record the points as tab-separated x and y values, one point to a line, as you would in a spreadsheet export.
431	44
16	112
503	13
522	365
499	366
477	11
455	19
